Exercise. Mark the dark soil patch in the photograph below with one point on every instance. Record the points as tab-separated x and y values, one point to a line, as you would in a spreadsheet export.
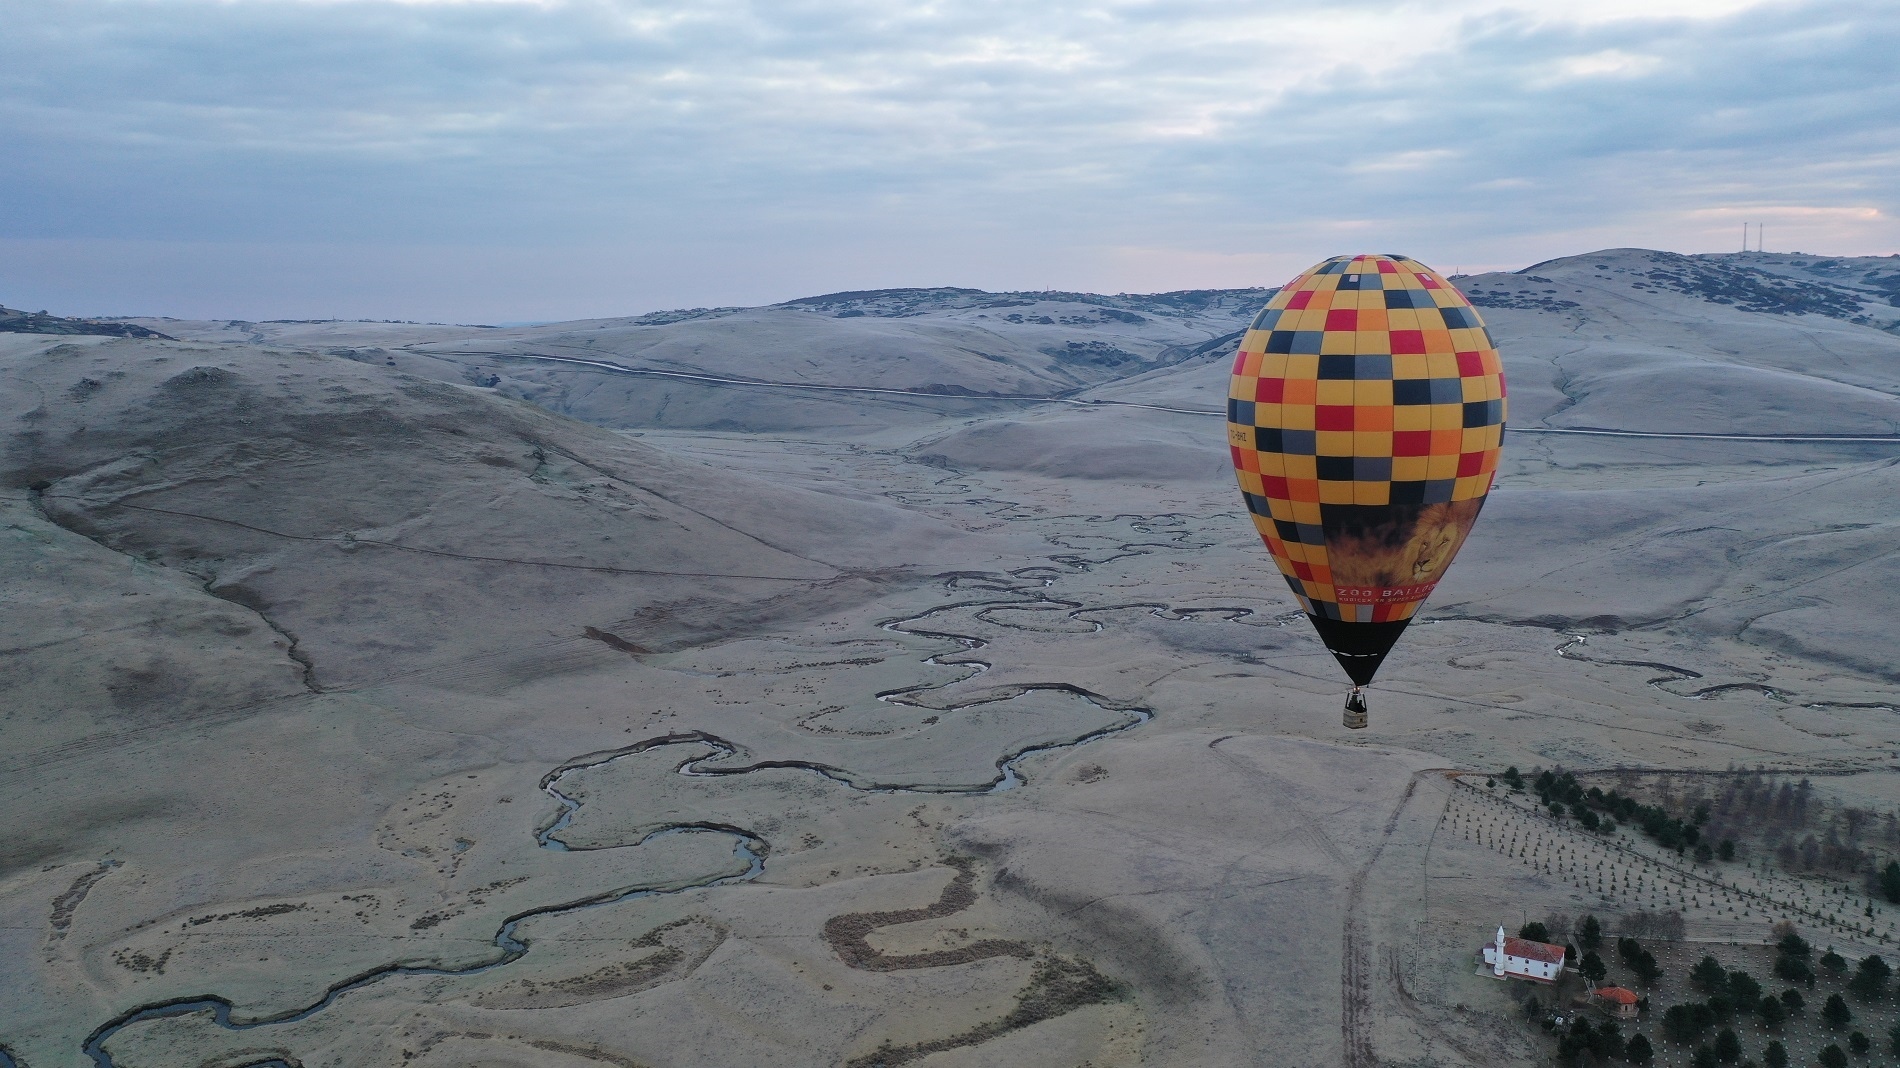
847	934
1059	986
615	641
678	948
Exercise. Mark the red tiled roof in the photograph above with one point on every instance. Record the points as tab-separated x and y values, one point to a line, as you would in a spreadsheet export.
1617	994
1529	950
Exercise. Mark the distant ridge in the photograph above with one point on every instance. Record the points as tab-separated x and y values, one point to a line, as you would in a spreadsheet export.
14	321
904	303
1864	290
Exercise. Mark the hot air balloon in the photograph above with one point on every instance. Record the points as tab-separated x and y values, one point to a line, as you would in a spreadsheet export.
1365	415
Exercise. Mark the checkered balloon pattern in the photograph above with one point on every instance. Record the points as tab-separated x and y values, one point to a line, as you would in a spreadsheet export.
1365	416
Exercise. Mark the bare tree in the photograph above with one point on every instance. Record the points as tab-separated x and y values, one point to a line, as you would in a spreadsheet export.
1559	925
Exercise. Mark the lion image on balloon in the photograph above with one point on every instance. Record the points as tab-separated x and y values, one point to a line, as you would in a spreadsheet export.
1365	416
1396	547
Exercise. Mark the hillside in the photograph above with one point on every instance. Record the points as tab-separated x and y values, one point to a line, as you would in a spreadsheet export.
897	674
382	523
963	345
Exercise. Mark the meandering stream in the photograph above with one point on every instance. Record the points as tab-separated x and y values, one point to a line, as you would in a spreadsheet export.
750	851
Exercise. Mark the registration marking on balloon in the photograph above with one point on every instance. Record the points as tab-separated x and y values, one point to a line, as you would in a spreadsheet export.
1365	416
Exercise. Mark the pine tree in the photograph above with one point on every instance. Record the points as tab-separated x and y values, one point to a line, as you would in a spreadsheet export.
1870	979
1728	1048
1708	974
1836	1013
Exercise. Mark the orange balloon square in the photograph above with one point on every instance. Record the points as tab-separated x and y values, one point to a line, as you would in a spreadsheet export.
1372	417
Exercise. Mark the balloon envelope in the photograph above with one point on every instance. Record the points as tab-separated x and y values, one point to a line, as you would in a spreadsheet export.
1365	416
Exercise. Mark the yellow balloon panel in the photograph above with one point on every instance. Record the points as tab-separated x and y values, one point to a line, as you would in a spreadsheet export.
1365	415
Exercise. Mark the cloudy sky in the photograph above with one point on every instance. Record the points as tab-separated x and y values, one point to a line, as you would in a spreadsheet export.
493	160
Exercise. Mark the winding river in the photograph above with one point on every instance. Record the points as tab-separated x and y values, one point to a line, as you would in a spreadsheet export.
749	850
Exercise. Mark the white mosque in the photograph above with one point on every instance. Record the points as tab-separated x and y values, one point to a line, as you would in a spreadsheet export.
1521	958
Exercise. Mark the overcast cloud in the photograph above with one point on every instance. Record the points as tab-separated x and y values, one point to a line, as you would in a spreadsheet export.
484	161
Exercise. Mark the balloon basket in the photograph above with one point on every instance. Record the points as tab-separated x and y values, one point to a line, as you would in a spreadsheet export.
1355	715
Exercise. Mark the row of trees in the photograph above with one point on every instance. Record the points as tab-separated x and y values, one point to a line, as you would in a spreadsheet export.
1870	975
1778	811
1604	1041
1787	816
1730	995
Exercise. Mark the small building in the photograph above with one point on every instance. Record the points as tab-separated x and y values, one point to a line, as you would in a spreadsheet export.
1615	1002
1521	958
